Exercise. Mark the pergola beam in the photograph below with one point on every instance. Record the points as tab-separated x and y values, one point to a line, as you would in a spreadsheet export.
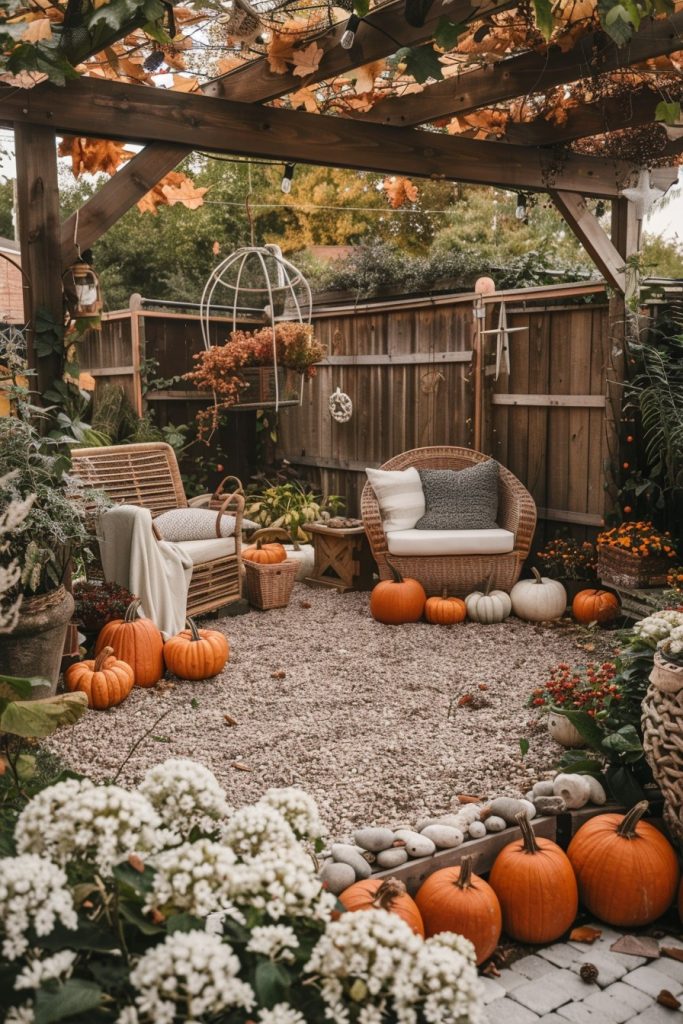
529	73
592	237
136	114
377	37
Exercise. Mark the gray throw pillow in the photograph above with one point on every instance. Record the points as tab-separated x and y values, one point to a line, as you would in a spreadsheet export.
465	499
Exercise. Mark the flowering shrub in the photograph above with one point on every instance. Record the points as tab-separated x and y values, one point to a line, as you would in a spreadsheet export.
567	559
99	603
146	907
656	628
640	538
591	689
674	582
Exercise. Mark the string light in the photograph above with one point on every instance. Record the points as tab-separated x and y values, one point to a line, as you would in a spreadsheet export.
348	38
287	176
600	208
521	213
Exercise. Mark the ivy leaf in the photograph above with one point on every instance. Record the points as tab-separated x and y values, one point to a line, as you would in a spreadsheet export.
448	32
271	983
616	21
416	12
115	14
74	997
669	113
544	17
422	62
624	786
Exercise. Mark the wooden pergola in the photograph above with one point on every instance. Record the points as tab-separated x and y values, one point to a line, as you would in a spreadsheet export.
231	115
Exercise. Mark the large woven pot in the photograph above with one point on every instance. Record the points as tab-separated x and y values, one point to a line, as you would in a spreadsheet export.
662	722
34	648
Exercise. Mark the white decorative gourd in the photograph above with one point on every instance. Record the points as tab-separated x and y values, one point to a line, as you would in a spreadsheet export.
538	599
488	606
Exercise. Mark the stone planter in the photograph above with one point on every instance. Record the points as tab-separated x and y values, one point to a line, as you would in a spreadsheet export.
662	722
563	731
34	649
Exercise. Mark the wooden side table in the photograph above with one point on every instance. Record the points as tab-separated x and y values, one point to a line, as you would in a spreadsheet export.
342	558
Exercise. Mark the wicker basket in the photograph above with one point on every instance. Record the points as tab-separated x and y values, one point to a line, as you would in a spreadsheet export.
622	569
662	722
270	586
260	390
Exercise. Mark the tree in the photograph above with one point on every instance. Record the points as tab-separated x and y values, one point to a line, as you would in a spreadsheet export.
662	257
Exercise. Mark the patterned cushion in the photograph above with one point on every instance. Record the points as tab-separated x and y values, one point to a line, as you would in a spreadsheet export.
196	524
399	496
465	499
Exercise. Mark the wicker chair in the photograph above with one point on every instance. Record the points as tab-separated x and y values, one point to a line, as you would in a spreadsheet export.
460	574
147	475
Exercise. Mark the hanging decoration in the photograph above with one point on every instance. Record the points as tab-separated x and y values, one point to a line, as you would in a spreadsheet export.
643	195
503	332
340	406
243	23
86	288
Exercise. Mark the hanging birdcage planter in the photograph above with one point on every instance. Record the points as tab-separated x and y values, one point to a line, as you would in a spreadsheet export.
271	349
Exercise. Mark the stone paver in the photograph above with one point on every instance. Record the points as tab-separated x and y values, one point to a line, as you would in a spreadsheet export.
672	968
506	1011
492	990
579	1013
510	980
609	965
657	1014
562	954
651	981
612	1009
572	984
532	967
541	995
633	997
604	942
552	1018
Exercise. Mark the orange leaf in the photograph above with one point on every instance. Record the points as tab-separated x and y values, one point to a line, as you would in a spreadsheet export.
304	97
37	29
585	934
186	193
216	248
307	61
399	191
364	77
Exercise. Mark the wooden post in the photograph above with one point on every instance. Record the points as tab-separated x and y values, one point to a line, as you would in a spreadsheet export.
39	238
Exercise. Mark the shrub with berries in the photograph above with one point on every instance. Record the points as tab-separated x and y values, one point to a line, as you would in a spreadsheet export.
639	538
99	603
566	558
591	688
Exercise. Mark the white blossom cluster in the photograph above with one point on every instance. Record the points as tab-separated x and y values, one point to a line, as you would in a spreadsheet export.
298	809
189	975
443	981
185	794
276	941
197	878
12	515
658	626
76	819
672	646
281	1013
285	884
60	966
33	894
259	829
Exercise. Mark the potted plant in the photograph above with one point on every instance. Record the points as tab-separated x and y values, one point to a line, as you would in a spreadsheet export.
99	603
590	690
635	554
570	561
37	554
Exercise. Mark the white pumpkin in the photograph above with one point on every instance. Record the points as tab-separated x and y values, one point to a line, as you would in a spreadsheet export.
488	606
539	599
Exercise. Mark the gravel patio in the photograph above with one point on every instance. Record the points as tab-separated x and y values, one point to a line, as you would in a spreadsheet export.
380	724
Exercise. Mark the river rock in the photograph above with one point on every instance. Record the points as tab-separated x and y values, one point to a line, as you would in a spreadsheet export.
543	788
337	876
477	829
550	805
508	808
374	840
495	824
443	836
392	858
597	793
416	845
344	853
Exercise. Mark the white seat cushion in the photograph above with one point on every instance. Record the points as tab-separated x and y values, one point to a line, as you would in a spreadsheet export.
450	542
207	550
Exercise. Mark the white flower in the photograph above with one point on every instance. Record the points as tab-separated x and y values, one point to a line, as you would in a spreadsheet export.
185	794
128	1015
658	626
257	829
281	1013
298	809
275	941
196	877
286	885
34	974
20	1014
33	894
186	976
443	982
75	820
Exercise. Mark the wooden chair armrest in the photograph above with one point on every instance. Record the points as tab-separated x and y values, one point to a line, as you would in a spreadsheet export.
372	521
201	501
236	500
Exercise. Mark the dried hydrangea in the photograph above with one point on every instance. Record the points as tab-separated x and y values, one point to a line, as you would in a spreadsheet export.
286	885
188	977
281	1013
276	941
298	809
75	820
259	829
197	878
443	982
359	958
33	894
657	626
185	794
59	966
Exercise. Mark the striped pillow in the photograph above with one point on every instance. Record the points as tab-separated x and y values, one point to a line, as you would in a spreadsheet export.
399	495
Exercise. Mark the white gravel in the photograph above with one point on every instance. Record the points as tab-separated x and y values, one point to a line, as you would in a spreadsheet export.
367	718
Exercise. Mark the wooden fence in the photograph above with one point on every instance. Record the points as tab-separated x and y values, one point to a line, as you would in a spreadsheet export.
419	372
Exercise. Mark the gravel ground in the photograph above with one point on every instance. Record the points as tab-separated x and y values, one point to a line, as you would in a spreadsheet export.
382	725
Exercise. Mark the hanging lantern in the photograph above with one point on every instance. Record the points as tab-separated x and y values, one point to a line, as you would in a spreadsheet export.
86	287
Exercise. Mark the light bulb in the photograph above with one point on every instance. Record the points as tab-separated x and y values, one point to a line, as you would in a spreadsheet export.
521	211
349	35
287	176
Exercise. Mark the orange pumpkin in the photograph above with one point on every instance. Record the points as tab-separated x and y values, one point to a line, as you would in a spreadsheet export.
535	883
196	653
455	900
138	642
384	894
265	554
445	610
105	681
397	600
680	900
626	869
595	606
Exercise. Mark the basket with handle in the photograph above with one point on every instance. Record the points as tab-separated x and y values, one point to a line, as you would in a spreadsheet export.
269	585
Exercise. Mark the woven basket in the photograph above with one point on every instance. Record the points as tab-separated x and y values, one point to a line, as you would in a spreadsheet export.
270	586
662	722
622	569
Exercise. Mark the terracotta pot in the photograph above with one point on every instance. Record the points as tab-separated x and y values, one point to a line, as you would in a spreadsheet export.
666	675
563	731
34	648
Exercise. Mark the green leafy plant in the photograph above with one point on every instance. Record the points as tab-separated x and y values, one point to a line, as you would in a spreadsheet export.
290	506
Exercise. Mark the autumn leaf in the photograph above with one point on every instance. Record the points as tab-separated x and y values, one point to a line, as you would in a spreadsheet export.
279	53
305	98
216	248
400	191
307	61
187	193
364	77
90	156
37	30
181	83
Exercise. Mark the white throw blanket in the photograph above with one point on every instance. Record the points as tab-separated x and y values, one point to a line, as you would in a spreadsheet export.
157	572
